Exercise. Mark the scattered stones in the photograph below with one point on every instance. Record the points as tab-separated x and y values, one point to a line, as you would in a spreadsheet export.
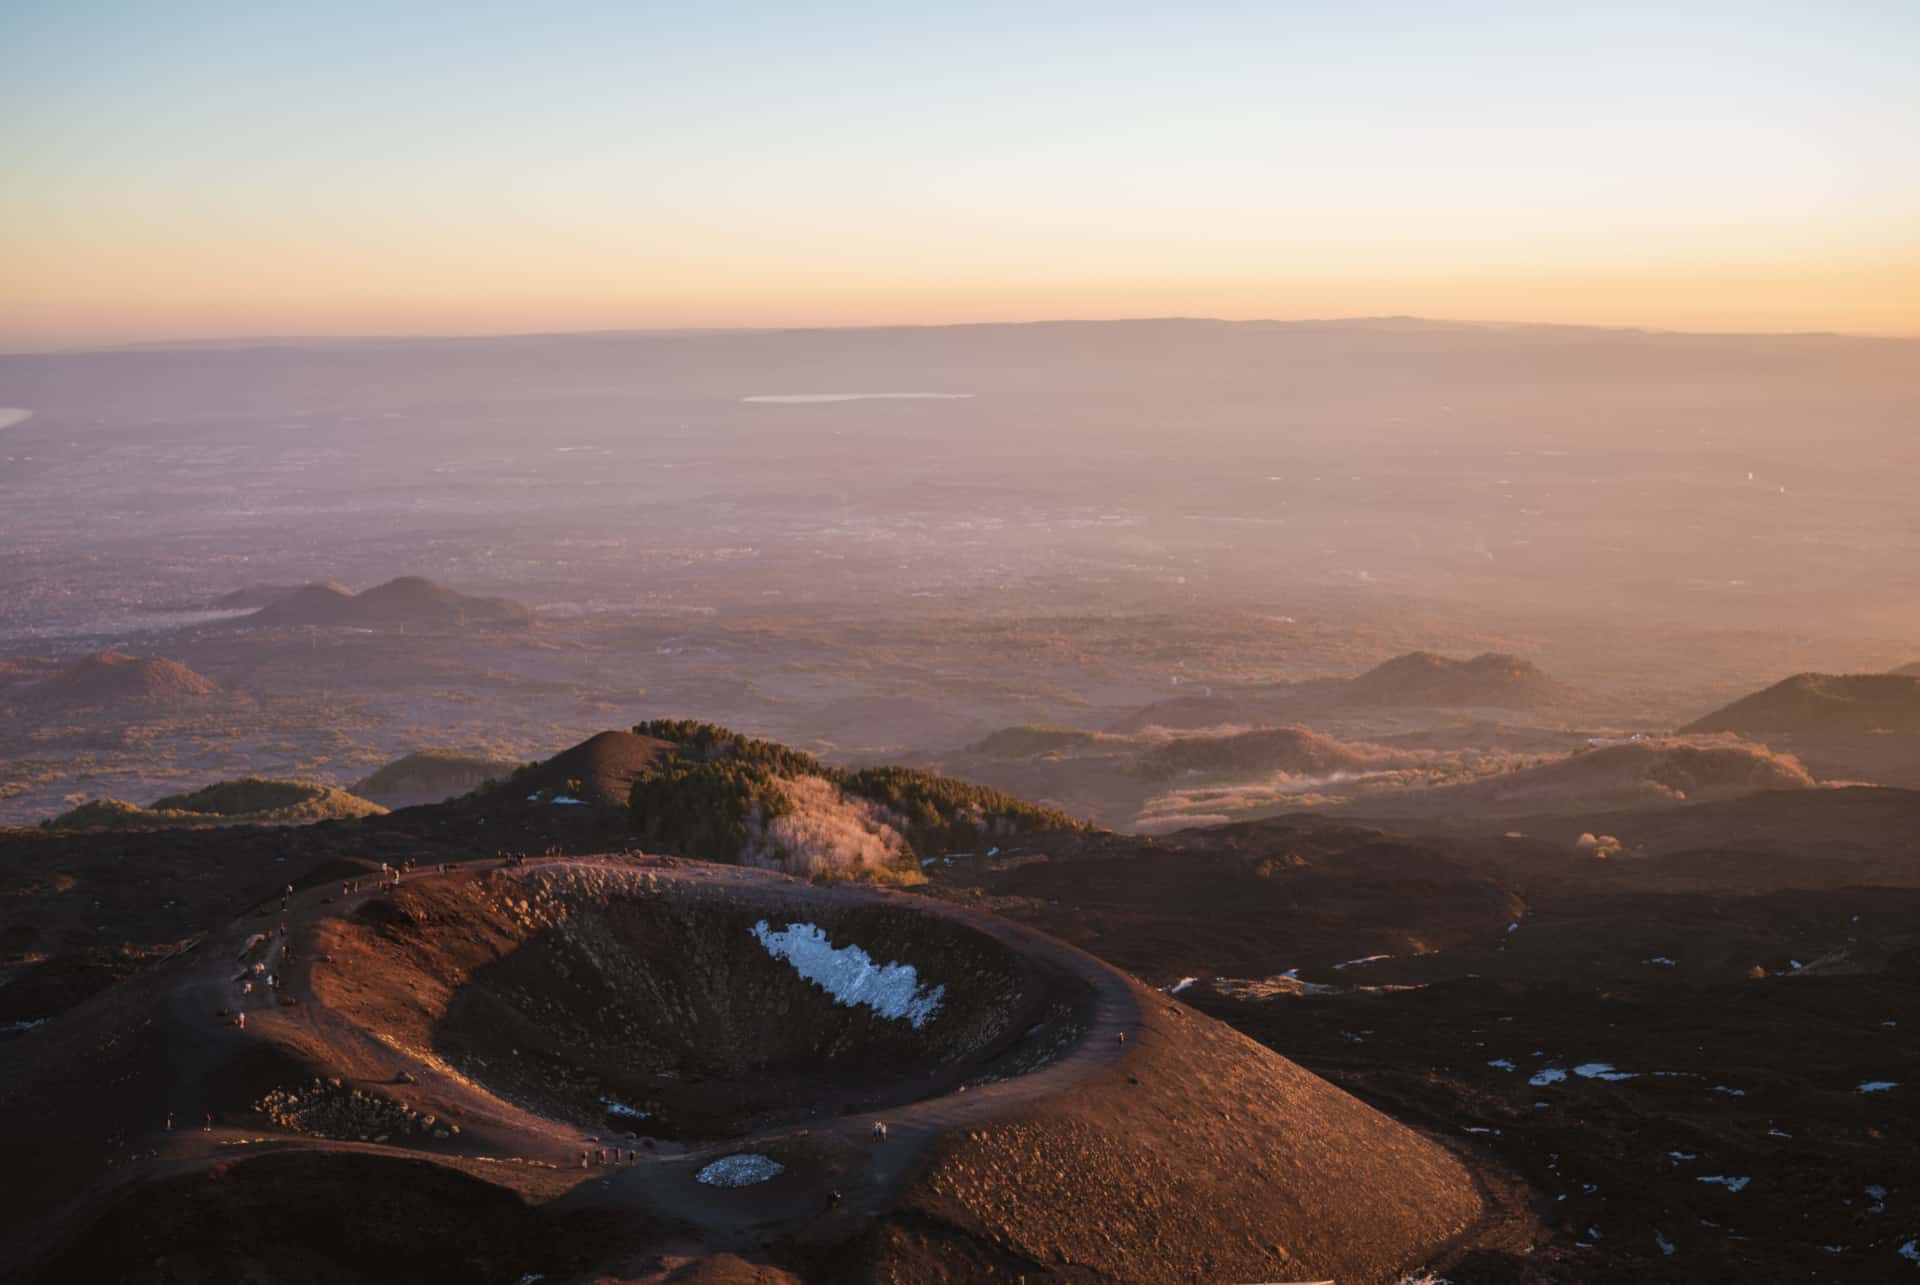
327	1109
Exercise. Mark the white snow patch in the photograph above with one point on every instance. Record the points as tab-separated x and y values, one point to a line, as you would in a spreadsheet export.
1513	927
567	798
1878	1086
1552	1075
1911	1251
1731	1184
622	1109
1602	1071
1665	1246
1664	962
742	1170
1682	1155
849	974
1501	1063
1730	1091
1364	959
1182	984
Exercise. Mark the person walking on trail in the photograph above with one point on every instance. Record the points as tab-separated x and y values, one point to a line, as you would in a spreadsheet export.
879	1131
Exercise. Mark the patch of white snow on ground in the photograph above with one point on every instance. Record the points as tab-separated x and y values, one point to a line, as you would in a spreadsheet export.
567	798
849	974
1552	1075
1878	1086
1663	961
1182	984
1666	1246
1364	959
742	1170
621	1108
1602	1071
1682	1155
1911	1250
1730	1091
1731	1184
1501	1064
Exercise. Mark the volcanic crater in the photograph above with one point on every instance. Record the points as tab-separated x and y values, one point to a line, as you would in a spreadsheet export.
683	1008
662	1057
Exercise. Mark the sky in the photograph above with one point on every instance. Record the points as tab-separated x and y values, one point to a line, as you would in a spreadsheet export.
187	169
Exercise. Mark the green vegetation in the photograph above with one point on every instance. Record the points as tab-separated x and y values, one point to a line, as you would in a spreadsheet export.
943	814
700	797
251	801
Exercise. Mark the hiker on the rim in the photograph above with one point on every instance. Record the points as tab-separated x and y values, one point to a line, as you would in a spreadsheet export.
879	1131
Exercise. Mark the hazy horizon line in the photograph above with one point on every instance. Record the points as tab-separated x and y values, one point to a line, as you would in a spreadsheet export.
241	342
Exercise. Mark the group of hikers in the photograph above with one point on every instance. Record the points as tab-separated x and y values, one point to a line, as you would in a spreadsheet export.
612	1155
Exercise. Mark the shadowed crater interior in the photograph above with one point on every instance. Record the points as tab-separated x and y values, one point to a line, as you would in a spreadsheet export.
663	1006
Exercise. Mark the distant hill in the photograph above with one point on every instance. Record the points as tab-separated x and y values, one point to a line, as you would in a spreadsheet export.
1909	671
254	597
1294	750
714	794
431	776
1181	712
1638	774
250	801
1422	678
1823	703
115	678
410	600
599	771
1028	739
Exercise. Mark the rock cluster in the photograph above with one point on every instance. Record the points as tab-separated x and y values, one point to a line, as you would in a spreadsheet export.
329	1109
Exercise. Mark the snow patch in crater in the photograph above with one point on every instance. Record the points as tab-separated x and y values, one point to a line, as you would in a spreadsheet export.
849	974
742	1170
